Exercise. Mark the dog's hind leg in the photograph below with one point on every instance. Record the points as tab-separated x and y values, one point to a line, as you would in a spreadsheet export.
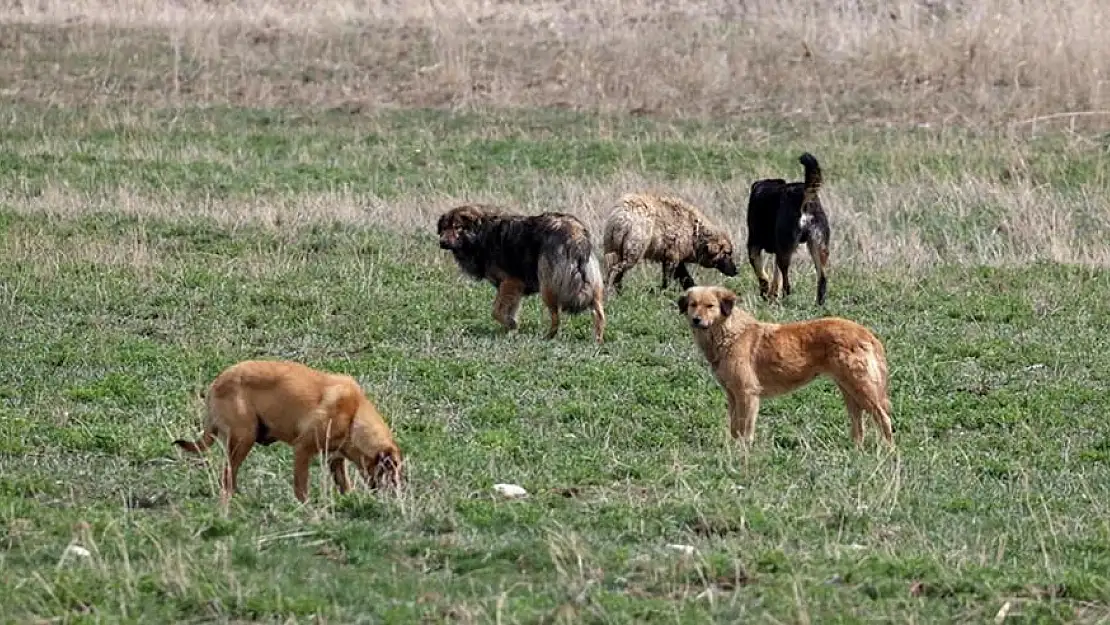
598	308
782	272
776	284
819	252
616	277
855	414
239	443
623	255
551	300
755	259
880	415
867	394
616	267
506	306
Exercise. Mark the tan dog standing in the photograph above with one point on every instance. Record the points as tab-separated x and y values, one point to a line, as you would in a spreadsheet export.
263	401
753	359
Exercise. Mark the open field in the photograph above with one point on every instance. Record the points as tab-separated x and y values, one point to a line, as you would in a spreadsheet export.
961	62
185	187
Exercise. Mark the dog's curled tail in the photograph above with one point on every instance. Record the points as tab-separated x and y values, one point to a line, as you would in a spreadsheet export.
813	172
199	446
573	273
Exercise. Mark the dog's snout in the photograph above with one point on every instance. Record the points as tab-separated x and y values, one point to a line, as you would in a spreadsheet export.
696	321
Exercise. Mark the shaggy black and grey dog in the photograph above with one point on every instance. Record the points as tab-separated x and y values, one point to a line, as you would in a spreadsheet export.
781	216
550	254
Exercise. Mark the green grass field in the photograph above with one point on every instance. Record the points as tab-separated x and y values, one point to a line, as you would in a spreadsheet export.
169	208
115	318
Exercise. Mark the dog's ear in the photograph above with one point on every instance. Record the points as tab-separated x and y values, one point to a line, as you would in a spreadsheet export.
683	303
726	299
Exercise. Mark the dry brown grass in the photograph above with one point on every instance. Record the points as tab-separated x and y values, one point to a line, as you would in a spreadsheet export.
970	62
875	223
964	61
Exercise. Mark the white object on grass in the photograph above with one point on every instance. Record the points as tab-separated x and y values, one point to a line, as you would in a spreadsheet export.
511	491
77	550
684	549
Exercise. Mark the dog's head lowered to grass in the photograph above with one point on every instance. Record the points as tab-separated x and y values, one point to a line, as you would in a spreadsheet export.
370	446
381	470
386	471
706	306
714	251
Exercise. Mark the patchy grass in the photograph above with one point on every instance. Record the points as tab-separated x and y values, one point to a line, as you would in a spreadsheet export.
898	198
998	492
186	185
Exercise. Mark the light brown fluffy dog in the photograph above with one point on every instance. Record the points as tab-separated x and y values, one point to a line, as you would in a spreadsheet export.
263	401
753	359
667	230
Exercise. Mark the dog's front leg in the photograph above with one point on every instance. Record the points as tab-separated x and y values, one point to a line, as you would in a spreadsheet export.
303	452
748	409
682	274
755	259
737	423
668	269
338	468
506	306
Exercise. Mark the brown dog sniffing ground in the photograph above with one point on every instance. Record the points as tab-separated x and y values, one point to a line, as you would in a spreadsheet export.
264	401
752	359
665	229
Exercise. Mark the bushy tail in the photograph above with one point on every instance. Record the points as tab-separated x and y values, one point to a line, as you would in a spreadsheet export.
572	272
813	172
200	446
877	368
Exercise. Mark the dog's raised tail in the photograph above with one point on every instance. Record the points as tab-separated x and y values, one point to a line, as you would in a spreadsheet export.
813	172
199	446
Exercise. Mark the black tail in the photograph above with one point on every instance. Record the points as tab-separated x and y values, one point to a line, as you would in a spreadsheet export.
813	172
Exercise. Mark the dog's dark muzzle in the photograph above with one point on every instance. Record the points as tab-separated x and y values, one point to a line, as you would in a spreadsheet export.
448	243
727	267
699	323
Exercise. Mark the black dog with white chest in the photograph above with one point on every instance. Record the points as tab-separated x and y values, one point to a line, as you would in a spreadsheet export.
781	217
